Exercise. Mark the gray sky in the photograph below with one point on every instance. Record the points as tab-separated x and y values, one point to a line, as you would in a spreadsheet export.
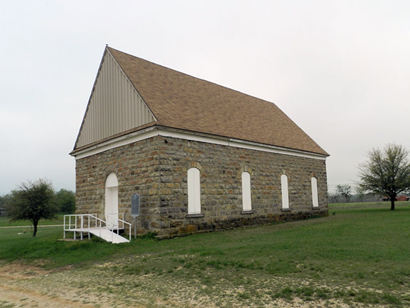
339	69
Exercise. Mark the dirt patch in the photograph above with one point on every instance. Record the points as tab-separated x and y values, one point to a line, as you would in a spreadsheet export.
21	296
17	271
105	285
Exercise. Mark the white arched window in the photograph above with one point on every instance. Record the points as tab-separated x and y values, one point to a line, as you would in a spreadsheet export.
315	201
194	191
285	193
246	191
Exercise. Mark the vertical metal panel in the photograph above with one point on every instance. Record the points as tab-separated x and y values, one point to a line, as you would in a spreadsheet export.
115	106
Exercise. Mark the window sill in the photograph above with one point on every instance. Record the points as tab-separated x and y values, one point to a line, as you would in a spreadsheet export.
194	215
285	210
315	208
247	212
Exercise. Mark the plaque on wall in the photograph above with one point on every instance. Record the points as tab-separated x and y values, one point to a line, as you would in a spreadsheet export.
135	205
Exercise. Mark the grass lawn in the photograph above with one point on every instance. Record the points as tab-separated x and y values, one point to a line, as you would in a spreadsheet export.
359	254
5	221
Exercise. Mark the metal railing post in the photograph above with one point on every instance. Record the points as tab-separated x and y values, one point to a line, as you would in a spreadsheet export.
75	227
64	228
82	226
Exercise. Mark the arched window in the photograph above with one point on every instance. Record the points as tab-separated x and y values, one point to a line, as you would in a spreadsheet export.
194	191
315	201
111	201
246	191
285	193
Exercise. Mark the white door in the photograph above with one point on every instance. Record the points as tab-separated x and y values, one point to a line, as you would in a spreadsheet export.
111	201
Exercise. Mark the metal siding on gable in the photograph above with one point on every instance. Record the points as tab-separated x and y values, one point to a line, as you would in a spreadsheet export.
115	106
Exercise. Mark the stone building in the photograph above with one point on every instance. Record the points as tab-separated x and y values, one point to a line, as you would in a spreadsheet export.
199	155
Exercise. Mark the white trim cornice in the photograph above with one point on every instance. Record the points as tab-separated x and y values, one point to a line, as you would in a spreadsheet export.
172	133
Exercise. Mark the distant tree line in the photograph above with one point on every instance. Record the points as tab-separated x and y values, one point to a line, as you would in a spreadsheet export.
344	193
63	200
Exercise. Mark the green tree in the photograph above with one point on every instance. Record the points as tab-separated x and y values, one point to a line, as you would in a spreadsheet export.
65	201
32	201
387	172
4	201
345	191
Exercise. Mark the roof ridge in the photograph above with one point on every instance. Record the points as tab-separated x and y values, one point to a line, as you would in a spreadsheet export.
188	75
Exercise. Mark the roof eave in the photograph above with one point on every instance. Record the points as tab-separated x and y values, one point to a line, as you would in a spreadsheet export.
96	143
175	129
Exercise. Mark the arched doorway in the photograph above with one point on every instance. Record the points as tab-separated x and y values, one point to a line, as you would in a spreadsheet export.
111	201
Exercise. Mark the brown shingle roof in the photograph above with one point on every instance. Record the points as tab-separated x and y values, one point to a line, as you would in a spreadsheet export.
185	102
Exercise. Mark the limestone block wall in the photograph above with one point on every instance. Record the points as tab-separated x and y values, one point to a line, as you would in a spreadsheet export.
156	168
221	168
137	169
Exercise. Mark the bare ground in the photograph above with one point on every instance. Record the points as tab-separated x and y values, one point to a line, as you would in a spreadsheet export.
99	286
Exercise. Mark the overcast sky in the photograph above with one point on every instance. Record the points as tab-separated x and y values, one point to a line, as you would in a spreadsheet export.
339	69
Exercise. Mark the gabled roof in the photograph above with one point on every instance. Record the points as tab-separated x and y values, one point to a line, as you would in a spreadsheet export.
178	100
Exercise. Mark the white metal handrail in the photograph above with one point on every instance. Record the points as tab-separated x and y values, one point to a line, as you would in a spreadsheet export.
92	221
116	226
123	226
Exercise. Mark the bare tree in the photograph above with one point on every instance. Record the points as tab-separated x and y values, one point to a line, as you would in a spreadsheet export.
387	172
345	191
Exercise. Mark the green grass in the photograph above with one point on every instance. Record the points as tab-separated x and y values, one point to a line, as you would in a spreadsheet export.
6	222
370	205
359	248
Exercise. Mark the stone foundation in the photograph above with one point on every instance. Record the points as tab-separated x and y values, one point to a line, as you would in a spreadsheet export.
194	227
156	168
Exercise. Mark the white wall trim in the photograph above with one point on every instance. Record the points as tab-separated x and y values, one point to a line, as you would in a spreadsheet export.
155	131
117	142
